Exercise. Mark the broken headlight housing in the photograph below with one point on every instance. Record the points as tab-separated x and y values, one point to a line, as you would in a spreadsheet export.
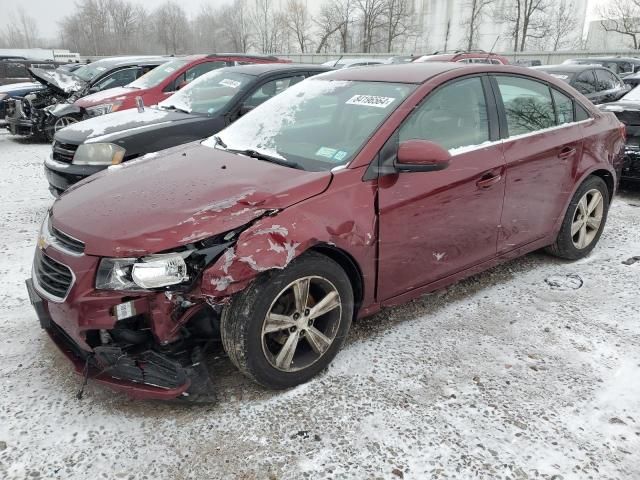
177	270
98	154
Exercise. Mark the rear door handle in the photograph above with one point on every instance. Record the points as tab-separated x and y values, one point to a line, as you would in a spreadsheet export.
488	180
567	152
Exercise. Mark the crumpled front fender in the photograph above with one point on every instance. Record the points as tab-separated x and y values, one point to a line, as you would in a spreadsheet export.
343	218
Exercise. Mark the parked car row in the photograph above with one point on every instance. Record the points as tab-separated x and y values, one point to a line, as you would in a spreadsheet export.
313	202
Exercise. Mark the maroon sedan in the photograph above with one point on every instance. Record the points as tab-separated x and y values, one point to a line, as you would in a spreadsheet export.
351	191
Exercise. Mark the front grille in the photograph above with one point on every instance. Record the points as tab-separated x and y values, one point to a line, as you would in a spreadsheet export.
53	277
64	152
67	242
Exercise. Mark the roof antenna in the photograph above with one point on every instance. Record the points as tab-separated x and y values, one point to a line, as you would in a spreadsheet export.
492	47
337	61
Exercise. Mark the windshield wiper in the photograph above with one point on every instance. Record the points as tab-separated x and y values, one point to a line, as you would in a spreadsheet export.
173	107
268	158
219	141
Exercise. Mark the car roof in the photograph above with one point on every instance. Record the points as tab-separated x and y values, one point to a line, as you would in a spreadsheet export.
257	69
120	61
395	73
568	67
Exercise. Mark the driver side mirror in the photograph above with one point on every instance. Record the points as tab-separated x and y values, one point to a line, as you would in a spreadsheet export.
94	90
421	156
244	109
181	85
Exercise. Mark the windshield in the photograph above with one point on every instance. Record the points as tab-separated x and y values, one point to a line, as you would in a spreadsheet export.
316	124
90	71
157	75
208	94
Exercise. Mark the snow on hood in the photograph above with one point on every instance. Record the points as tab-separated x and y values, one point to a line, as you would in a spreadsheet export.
179	196
58	79
119	121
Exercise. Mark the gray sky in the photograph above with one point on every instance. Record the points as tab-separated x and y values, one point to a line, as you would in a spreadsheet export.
48	12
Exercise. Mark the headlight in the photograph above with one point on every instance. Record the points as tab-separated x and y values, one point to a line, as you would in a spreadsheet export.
154	271
98	154
3	96
103	109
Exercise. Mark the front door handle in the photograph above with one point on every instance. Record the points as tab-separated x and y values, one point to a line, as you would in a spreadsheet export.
488	180
567	152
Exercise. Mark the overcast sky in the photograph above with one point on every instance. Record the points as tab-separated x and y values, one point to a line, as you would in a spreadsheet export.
48	12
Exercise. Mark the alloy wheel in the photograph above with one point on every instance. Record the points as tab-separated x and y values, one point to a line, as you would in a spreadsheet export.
587	219
63	122
301	324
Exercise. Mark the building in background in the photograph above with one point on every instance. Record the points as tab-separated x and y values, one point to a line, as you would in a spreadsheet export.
600	39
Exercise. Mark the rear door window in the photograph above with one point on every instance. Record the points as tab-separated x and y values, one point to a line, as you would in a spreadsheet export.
453	116
606	80
585	82
195	72
117	79
528	106
271	89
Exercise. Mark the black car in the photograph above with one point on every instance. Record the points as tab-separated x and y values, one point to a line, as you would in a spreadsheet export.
30	114
598	84
199	110
627	109
621	66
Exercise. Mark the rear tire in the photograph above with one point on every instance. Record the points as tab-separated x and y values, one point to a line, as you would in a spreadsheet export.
280	336
584	220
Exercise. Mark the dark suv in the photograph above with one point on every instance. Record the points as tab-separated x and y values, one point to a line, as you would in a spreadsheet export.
622	66
598	84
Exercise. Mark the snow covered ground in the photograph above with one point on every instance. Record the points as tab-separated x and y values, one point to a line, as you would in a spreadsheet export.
505	375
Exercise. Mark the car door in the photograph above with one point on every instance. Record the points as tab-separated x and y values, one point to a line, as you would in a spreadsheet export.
542	144
434	224
585	82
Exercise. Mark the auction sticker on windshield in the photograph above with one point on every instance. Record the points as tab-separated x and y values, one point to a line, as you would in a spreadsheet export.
230	83
370	101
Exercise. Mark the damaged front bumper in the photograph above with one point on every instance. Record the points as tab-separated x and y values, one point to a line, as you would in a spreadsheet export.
631	163
130	360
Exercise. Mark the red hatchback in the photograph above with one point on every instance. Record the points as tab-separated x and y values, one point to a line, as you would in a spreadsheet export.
162	82
350	191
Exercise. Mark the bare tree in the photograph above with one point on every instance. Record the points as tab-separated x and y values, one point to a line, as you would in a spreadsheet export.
399	21
371	17
269	26
329	22
299	23
236	25
123	22
563	25
527	19
622	16
206	29
170	20
478	10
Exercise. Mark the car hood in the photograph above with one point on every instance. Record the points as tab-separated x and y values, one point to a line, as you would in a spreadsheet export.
60	81
176	197
114	124
111	95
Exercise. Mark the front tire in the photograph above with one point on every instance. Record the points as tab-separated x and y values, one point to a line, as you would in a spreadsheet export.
289	324
55	124
584	220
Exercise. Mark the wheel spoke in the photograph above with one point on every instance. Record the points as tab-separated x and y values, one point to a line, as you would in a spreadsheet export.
288	350
594	222
328	303
276	322
594	202
582	205
301	294
582	236
319	341
575	227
